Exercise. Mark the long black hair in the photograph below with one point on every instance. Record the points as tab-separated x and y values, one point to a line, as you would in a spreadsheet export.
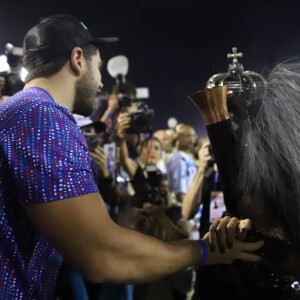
269	152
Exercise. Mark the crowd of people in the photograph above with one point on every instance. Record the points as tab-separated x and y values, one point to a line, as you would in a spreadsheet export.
95	206
147	171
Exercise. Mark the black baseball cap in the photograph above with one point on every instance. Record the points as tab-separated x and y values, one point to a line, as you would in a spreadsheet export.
54	37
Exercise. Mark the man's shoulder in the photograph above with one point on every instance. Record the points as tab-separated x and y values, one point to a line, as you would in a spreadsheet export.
174	162
174	155
23	101
177	156
30	105
30	94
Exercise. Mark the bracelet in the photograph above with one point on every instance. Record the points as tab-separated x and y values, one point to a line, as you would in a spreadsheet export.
204	251
108	114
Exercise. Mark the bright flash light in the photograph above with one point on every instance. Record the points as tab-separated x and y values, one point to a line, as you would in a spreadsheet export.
4	66
23	74
172	122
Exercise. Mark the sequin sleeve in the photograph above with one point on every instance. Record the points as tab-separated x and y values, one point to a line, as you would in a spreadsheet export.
48	156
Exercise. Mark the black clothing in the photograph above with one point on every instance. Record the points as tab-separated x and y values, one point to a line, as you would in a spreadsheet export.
240	280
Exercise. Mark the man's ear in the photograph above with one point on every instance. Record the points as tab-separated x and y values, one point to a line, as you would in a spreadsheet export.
77	60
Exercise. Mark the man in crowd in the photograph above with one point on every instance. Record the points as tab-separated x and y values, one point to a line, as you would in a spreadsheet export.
166	138
181	166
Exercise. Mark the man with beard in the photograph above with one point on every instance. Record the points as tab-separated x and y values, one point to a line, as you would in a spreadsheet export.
50	205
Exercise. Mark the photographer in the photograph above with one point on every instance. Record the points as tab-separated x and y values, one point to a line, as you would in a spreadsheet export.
122	97
139	114
152	191
102	167
150	153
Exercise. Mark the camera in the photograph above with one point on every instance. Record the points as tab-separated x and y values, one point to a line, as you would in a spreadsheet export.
141	119
152	187
154	194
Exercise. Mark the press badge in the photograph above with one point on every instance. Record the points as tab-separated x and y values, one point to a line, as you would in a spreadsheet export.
217	205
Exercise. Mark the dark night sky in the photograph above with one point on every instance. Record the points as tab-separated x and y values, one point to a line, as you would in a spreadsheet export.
173	47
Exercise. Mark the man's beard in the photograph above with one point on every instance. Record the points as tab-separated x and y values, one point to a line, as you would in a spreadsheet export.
85	96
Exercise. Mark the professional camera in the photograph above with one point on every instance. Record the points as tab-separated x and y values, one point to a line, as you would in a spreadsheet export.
154	194
141	119
152	188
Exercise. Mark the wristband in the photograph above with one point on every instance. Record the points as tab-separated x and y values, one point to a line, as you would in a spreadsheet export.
204	251
108	114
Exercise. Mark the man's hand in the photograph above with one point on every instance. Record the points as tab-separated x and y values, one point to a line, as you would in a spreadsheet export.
123	123
204	154
99	157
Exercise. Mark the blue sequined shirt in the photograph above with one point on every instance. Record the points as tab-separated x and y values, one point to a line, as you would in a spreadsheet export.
43	158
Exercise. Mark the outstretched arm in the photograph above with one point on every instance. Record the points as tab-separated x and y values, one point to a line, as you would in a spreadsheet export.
82	231
193	198
128	164
112	108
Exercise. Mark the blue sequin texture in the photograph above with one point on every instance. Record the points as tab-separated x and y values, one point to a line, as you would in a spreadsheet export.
43	158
